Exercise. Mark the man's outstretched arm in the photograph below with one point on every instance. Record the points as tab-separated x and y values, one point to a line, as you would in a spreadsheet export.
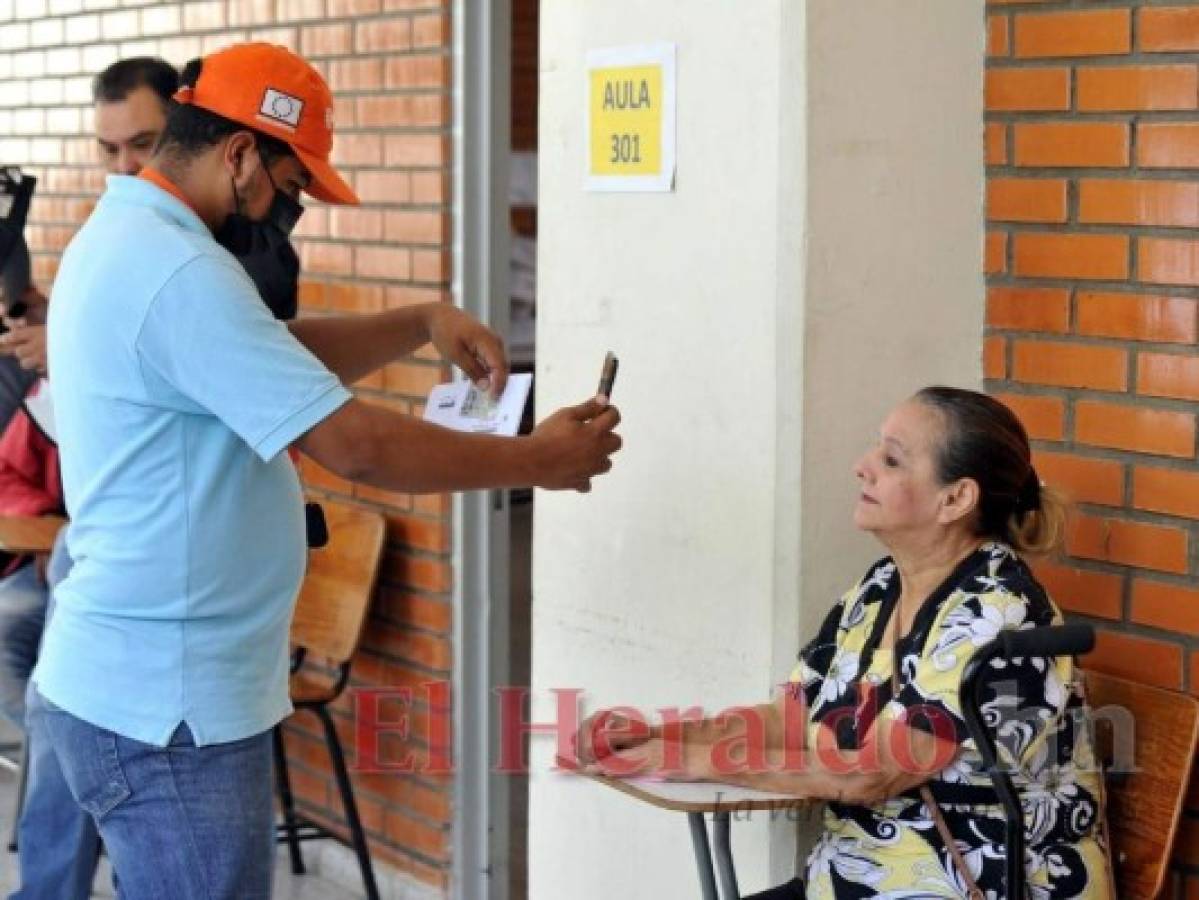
381	447
354	346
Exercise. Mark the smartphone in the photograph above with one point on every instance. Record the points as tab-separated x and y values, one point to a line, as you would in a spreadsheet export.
608	375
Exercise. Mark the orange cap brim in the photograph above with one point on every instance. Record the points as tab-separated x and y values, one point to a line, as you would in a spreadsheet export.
326	184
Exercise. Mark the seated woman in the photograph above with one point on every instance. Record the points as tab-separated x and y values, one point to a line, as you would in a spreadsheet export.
951	492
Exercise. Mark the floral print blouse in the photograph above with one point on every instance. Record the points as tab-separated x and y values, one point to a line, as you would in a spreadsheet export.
1033	706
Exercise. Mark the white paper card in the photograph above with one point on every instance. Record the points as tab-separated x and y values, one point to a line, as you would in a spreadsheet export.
39	405
463	407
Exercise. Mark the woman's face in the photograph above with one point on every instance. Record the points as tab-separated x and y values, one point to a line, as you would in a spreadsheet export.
900	490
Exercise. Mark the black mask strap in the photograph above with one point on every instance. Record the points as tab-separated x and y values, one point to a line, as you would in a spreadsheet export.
284	212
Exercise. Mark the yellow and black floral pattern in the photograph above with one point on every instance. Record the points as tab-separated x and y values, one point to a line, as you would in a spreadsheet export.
1033	706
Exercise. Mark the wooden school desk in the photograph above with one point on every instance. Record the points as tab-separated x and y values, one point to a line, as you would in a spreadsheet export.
29	534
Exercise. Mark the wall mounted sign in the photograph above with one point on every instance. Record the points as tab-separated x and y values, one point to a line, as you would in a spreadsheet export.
631	118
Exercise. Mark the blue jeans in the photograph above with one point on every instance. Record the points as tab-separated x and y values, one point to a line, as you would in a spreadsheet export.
23	599
56	840
179	821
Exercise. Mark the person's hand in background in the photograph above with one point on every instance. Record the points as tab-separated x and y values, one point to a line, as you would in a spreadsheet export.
27	343
31	310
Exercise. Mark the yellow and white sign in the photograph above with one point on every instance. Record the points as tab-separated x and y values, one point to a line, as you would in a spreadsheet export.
631	118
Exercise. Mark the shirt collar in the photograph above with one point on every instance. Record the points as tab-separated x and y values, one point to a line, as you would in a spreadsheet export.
152	175
147	191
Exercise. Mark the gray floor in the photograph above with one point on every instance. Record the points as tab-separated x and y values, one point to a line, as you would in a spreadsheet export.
287	886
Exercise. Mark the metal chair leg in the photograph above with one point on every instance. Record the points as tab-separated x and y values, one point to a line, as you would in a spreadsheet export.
357	834
287	801
22	787
703	855
724	857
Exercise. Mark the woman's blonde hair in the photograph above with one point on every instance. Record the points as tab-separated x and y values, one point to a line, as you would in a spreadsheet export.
985	442
1040	531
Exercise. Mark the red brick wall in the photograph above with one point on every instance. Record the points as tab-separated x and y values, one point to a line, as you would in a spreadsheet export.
525	41
1092	261
388	62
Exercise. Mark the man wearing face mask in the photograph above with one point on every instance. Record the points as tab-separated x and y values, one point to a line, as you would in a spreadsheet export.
58	844
130	111
57	841
165	665
271	262
264	250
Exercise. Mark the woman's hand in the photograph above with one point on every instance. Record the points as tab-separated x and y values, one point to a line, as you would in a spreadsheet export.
472	347
606	732
670	758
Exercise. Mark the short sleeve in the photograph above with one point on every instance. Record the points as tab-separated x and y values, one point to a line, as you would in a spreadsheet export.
207	337
1019	698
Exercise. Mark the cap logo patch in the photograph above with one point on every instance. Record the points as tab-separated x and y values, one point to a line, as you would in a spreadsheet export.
281	108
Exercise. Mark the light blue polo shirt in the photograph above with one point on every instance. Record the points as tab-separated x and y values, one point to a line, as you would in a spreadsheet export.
176	395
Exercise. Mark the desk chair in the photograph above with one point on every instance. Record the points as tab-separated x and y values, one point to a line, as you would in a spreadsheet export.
12	757
329	616
1144	804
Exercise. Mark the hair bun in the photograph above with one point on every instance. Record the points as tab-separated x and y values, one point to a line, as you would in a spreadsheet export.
1029	499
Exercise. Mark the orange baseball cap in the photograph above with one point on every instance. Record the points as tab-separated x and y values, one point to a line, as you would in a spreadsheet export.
270	89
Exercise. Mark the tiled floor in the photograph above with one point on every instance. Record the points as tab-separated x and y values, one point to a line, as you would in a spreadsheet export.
287	886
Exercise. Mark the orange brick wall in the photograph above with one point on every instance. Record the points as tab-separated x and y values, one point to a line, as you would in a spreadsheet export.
1092	262
388	62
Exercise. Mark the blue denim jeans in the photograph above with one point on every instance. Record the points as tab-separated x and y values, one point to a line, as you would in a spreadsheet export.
179	821
23	599
56	840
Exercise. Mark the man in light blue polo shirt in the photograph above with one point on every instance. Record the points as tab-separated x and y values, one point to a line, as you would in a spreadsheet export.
165	665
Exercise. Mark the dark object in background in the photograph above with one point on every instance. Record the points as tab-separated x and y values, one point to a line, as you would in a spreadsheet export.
314	520
16	190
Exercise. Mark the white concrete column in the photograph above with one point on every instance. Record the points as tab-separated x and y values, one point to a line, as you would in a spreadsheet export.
819	259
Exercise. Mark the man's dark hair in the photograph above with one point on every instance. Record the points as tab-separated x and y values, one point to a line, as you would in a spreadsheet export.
191	129
123	77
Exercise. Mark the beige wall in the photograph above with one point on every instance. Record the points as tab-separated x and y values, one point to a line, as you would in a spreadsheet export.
766	313
893	297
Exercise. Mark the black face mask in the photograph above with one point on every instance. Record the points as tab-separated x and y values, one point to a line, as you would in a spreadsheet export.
264	250
272	264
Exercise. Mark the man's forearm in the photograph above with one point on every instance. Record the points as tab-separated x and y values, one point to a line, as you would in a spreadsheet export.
389	450
354	346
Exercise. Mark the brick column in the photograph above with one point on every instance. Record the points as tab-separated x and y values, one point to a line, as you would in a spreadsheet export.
1092	139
